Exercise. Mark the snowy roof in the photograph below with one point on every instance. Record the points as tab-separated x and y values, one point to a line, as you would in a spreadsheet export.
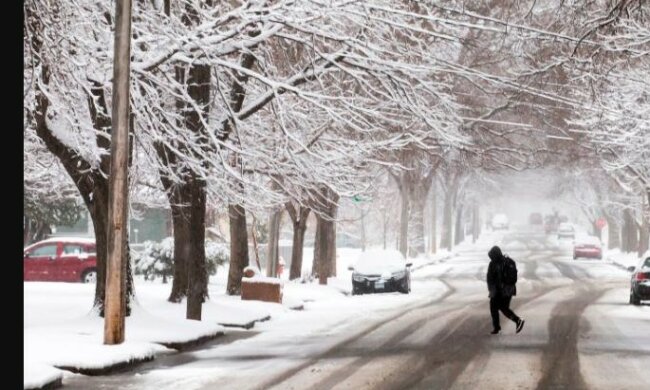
77	240
592	240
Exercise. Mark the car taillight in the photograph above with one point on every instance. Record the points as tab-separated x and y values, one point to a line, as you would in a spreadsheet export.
642	276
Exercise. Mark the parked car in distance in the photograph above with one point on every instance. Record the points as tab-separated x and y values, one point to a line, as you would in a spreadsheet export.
535	219
640	282
565	230
381	270
587	246
500	222
61	259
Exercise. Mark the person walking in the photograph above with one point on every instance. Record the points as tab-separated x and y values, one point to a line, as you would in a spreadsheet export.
501	281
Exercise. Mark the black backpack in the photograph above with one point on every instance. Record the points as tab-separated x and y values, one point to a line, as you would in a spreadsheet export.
509	271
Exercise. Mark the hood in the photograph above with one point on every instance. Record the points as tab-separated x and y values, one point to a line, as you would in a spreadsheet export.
495	254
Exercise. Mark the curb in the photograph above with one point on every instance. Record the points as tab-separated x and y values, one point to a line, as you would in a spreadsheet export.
433	262
185	345
121	366
54	384
619	265
247	325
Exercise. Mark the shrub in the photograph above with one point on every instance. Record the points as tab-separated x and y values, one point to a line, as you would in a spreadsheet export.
157	258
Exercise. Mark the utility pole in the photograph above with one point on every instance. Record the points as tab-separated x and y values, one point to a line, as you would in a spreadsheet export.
115	301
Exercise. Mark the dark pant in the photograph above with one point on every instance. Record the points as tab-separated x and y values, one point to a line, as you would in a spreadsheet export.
503	304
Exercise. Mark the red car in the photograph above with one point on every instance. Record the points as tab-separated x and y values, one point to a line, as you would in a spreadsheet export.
588	246
61	259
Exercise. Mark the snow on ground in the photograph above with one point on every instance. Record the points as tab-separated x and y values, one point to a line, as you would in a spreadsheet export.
62	330
627	354
624	259
331	320
37	375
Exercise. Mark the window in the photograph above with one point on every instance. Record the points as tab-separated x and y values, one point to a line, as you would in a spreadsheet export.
45	250
72	250
647	263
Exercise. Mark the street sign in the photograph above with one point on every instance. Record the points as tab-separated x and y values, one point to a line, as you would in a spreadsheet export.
601	222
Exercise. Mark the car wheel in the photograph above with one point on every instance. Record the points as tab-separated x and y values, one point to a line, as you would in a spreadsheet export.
89	276
575	257
634	300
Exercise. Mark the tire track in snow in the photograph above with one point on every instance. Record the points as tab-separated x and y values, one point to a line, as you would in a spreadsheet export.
560	357
278	379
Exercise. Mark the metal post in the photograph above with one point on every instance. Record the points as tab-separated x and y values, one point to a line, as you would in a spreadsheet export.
115	301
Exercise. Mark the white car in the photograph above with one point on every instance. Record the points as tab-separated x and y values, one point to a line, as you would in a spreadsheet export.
566	230
500	221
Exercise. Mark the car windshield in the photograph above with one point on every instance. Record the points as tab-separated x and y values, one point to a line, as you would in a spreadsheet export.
379	261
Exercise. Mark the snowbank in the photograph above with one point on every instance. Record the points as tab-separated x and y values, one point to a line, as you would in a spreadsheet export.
37	375
624	260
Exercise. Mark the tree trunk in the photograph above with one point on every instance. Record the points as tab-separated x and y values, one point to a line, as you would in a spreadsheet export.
316	266
433	239
272	252
39	231
416	238
447	219
26	230
198	89
363	231
238	248
460	226
644	237
385	226
98	209
197	273
476	225
630	238
182	247
325	243
299	220
326	255
403	222
296	250
613	233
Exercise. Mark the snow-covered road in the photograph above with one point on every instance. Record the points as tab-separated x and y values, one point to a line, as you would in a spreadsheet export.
580	333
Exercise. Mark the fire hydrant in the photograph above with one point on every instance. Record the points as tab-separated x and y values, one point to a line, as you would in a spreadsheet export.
281	265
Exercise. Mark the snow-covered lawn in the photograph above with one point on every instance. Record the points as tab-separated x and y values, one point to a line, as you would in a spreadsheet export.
61	330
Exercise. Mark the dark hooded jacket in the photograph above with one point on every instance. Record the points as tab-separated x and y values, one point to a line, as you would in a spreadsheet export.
495	275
